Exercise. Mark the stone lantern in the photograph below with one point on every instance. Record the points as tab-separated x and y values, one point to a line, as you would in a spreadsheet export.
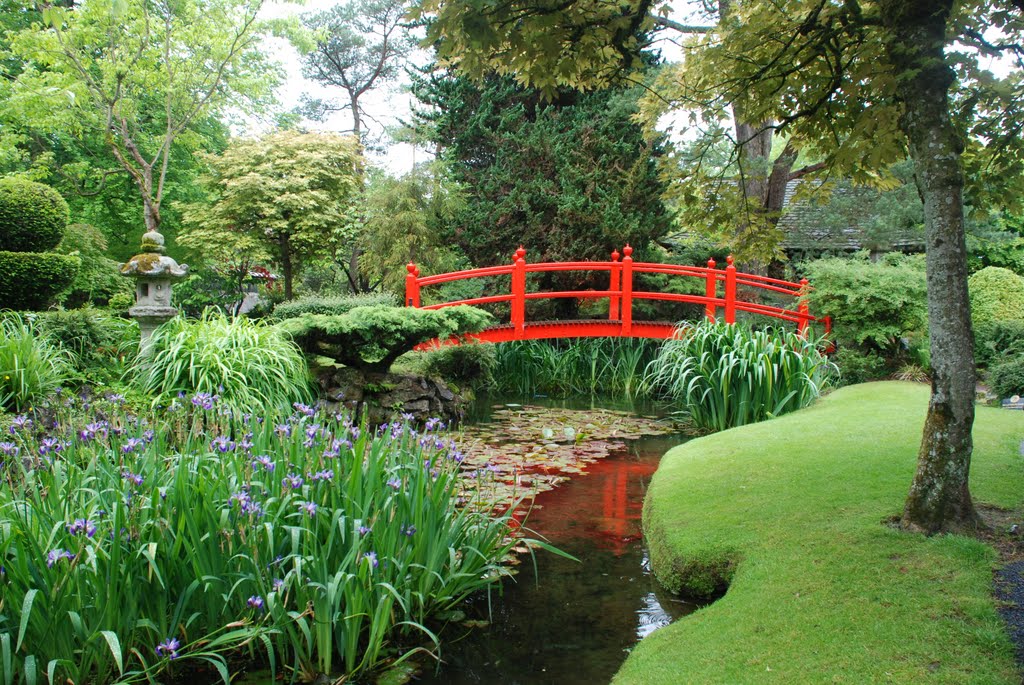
154	274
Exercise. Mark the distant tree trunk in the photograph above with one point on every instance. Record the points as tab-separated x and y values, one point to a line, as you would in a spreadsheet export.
286	265
939	498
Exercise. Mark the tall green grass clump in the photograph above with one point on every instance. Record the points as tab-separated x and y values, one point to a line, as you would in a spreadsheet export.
131	546
31	368
247	363
561	368
728	375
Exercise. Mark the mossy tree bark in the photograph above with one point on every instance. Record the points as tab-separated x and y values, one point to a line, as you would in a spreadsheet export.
939	497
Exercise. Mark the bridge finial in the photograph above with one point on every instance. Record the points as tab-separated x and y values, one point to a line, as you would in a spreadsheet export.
728	260
627	250
712	263
411	268
521	252
615	255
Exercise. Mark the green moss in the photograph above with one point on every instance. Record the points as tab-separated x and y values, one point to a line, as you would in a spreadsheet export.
791	514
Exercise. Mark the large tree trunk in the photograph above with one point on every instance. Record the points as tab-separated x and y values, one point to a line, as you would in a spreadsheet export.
939	498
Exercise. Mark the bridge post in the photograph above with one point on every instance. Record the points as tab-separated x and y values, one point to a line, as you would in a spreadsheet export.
803	308
412	286
627	291
711	291
613	300
730	291
519	293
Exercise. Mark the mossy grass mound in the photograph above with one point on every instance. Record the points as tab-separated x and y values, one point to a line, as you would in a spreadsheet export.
791	513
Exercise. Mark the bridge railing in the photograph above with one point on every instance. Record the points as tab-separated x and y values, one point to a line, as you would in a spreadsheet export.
620	292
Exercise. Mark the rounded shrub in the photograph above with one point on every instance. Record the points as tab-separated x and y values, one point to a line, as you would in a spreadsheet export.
1007	378
33	216
30	281
248	364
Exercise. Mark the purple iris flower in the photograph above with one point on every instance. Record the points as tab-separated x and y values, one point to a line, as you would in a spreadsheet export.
222	444
55	555
326	474
132	445
293	481
115	398
79	526
203	400
278	584
308	507
9	449
363	530
395	483
372	558
304	409
246	503
168	648
283	430
20	422
409	530
132	477
50	445
255	602
265	461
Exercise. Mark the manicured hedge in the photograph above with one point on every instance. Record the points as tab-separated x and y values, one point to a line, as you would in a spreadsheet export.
33	216
31	280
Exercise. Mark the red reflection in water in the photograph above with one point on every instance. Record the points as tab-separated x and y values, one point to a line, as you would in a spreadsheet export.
614	486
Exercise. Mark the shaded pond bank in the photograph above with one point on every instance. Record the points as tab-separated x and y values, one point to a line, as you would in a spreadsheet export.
571	622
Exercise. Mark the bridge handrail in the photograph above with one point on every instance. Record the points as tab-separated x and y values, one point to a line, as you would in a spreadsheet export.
620	291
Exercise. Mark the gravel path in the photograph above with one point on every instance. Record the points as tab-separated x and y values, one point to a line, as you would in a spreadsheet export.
1009	590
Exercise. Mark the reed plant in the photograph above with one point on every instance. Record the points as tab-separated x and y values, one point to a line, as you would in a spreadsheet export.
247	363
728	375
560	368
31	368
133	546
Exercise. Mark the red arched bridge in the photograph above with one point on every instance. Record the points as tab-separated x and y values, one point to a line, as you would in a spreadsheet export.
620	295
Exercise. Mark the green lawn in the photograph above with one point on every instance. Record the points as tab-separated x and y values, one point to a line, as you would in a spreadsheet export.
822	590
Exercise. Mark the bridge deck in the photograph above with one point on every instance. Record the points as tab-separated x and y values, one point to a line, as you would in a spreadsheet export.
579	328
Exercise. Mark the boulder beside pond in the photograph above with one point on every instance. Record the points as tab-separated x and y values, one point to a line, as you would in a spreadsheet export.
380	397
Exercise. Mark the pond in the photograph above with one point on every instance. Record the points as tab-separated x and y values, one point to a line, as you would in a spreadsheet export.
570	622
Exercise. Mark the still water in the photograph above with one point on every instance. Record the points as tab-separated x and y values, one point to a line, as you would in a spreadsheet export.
570	622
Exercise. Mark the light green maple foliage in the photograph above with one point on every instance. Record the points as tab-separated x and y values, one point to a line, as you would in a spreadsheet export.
287	197
140	73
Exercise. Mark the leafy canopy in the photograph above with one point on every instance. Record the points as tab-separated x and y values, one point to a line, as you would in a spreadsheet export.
140	74
286	197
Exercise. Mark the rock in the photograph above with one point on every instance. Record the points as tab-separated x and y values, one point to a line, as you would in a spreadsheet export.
383	397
